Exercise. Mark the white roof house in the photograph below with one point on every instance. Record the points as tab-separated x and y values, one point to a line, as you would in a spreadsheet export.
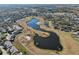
38	23
13	50
3	51
28	38
76	33
9	28
2	29
8	44
9	37
16	27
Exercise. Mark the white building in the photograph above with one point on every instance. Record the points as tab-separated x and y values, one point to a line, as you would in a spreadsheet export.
9	37
8	44
28	38
16	27
13	50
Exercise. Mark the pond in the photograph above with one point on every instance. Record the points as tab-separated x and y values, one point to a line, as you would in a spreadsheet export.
33	24
51	42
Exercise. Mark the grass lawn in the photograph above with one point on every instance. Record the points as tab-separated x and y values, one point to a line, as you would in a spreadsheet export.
75	38
20	47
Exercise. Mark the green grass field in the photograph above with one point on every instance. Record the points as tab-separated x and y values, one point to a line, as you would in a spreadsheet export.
20	48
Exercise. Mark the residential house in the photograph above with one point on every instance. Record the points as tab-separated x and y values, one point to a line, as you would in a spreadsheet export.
13	50
7	44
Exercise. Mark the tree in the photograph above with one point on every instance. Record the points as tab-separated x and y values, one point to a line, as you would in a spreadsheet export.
0	52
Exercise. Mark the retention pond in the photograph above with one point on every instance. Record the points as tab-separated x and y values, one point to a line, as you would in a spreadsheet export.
51	42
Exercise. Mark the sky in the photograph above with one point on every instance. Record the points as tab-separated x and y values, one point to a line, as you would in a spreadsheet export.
39	2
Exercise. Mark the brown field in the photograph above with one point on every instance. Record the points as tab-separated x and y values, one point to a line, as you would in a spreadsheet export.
71	47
